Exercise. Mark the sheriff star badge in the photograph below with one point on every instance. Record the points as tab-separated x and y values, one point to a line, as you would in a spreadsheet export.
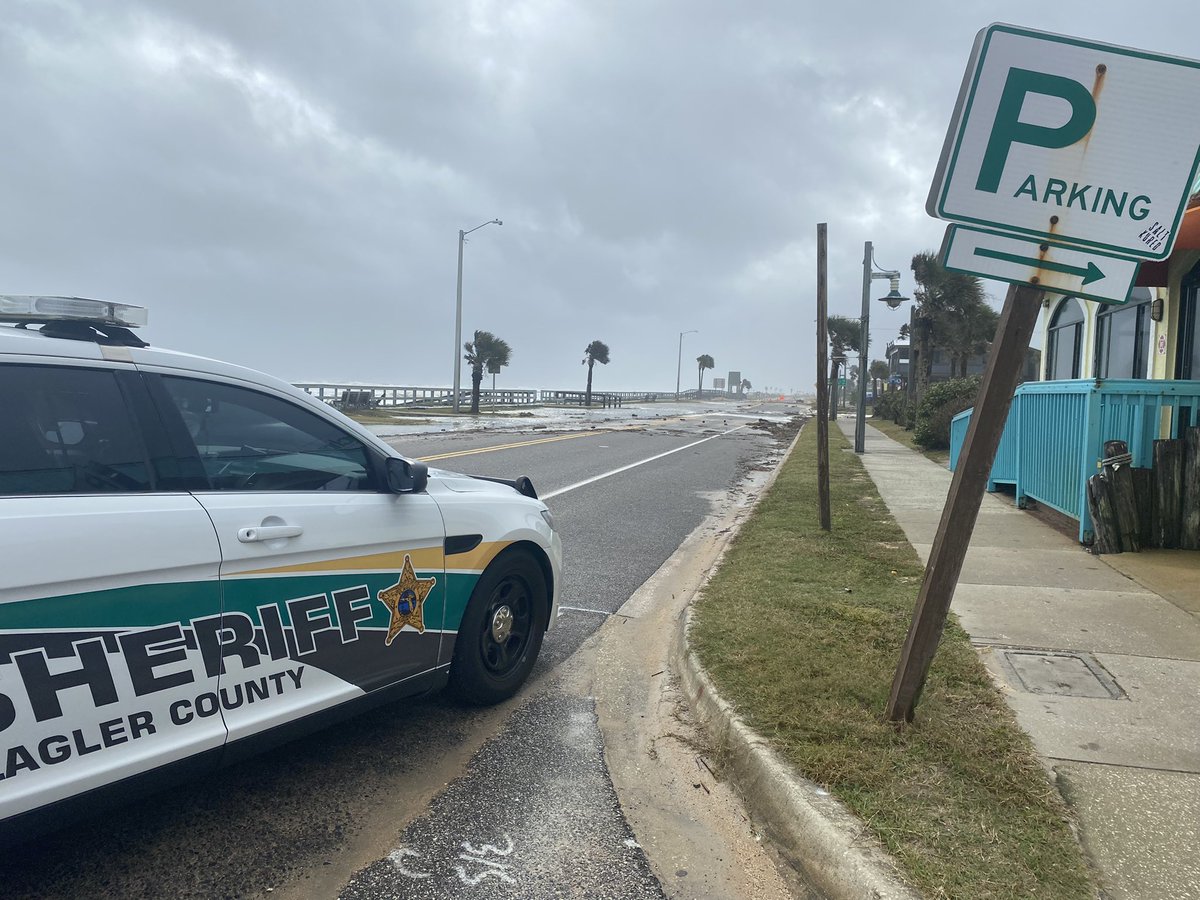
405	600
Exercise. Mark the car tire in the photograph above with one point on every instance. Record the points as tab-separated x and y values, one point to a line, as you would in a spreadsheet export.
501	631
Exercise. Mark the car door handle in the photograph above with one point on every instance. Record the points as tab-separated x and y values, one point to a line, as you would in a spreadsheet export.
268	533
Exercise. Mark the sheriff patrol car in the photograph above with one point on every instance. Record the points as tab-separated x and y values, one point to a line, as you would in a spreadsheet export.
198	560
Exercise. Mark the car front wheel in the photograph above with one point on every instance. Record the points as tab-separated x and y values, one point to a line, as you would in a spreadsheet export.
501	631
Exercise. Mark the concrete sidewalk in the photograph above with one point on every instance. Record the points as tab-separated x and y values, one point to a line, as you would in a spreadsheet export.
1103	673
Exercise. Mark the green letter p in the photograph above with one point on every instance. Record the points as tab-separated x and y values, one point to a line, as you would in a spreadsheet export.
1008	129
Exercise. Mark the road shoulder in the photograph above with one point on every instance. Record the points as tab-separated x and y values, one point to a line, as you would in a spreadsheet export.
698	787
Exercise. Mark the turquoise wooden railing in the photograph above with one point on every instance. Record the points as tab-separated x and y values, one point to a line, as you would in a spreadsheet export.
1055	433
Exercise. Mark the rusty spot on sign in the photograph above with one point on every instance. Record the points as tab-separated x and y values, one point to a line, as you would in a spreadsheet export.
1098	84
1097	87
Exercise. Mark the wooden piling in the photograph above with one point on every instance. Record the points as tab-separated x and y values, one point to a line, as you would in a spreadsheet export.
1168	492
1189	530
1105	527
1122	494
1143	492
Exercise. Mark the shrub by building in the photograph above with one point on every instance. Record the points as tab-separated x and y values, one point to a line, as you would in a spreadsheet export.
941	403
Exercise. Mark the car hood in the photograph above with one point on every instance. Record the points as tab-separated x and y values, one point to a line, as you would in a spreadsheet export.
465	484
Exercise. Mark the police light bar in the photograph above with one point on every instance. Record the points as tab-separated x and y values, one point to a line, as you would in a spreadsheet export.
70	309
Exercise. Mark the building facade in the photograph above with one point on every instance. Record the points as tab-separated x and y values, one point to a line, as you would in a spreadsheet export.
1110	372
1155	336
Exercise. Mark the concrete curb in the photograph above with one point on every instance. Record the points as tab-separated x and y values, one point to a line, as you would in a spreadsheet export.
813	830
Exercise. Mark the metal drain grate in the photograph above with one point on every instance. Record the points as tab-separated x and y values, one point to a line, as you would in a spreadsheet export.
1060	673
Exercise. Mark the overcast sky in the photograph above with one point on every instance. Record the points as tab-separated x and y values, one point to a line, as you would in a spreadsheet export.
282	184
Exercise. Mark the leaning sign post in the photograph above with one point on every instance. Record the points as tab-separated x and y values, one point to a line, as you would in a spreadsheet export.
1067	163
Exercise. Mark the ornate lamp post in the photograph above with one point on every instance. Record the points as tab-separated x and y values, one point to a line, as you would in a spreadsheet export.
893	300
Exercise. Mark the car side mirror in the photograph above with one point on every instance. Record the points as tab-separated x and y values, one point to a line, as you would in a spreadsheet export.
406	476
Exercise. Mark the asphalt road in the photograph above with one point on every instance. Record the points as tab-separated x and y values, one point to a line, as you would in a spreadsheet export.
426	798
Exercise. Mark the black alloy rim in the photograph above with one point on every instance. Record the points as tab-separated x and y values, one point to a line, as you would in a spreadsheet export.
501	656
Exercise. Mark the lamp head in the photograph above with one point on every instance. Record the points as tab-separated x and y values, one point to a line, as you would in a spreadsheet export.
894	298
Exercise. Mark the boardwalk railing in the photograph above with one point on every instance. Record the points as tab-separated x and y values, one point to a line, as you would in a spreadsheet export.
1054	438
599	398
577	398
371	396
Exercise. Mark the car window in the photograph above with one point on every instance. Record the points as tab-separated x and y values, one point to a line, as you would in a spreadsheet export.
67	430
250	441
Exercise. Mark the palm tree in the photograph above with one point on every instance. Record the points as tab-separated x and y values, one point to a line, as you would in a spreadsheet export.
746	385
486	351
844	335
703	361
596	352
947	315
971	334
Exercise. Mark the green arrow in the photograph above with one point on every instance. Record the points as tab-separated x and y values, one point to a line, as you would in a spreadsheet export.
1089	274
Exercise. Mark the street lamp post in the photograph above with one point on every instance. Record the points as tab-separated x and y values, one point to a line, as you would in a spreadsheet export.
462	239
839	366
679	360
893	300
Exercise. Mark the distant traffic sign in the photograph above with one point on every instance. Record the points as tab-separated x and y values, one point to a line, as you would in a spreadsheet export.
1055	267
1067	139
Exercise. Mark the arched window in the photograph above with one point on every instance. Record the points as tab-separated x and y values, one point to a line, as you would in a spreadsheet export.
1063	350
1123	337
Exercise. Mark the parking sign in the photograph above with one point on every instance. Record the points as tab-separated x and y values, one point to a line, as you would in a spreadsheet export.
1071	140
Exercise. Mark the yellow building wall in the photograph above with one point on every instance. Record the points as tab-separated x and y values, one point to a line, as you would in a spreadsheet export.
1164	335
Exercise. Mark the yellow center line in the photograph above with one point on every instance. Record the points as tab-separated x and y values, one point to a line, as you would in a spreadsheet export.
546	440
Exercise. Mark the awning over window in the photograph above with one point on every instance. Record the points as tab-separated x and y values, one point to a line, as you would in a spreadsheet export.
1152	274
1189	228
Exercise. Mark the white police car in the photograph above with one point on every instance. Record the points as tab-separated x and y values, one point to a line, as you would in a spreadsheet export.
197	560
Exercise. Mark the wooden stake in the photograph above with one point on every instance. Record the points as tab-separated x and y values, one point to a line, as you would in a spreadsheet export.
1021	306
822	379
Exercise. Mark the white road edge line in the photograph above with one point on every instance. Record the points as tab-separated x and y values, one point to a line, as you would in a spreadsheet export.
641	462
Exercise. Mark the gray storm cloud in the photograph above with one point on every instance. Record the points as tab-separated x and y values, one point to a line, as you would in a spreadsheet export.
282	184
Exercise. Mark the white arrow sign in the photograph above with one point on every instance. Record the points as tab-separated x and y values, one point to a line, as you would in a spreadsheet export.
1054	267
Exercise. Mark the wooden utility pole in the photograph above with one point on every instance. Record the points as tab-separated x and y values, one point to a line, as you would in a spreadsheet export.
1013	332
822	386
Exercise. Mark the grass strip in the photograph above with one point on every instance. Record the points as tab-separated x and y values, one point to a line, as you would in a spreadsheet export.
801	630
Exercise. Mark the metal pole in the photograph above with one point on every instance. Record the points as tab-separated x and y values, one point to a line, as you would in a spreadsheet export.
678	366
462	237
910	385
838	364
679	360
458	321
860	422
